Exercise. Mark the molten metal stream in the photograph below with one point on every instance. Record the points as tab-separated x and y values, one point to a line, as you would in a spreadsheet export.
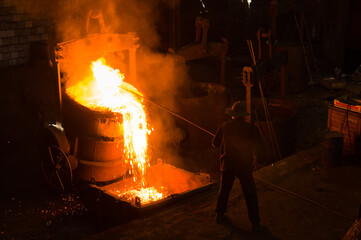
105	90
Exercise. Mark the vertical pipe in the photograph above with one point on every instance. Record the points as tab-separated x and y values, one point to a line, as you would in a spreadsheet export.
205	27
273	13
59	91
247	83
198	24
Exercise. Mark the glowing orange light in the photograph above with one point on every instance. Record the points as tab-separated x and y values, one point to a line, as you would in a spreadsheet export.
146	195
106	90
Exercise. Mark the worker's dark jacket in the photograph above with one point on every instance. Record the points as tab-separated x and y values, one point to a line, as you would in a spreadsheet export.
238	141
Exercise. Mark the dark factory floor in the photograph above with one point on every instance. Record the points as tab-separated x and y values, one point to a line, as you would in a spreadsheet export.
298	198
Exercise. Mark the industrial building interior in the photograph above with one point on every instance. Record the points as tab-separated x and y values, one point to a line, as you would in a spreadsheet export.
110	108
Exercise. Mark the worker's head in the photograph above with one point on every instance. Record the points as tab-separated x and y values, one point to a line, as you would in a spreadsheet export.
237	110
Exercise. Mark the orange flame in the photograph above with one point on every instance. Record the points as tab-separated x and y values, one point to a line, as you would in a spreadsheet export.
105	90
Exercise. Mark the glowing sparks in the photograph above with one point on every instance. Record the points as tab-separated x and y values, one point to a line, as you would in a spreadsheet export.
146	195
105	90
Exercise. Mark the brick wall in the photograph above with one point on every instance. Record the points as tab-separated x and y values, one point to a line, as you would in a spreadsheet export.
20	29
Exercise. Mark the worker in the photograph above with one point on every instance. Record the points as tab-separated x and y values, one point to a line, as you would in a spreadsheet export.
238	142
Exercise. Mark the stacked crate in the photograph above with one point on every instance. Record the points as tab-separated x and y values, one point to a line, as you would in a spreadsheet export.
349	124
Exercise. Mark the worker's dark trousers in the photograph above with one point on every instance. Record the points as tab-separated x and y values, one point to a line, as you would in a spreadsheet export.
249	192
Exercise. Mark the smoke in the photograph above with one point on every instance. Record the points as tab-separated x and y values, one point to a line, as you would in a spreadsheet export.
121	16
159	76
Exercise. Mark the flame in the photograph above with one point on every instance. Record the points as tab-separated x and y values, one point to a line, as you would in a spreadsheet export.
105	90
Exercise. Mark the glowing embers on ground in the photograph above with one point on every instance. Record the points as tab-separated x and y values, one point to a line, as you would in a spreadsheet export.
105	90
164	181
146	195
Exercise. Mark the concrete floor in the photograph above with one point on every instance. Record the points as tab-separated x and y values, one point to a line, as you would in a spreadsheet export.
298	199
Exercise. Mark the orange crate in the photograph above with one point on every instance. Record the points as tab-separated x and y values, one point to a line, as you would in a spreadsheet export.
352	107
349	124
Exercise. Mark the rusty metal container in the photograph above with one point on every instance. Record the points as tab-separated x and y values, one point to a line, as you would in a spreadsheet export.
100	161
91	124
97	142
96	137
332	146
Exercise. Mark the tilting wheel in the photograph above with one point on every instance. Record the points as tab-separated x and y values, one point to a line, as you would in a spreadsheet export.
56	168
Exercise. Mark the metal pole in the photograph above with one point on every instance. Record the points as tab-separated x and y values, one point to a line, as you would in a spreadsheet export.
303	48
248	84
171	112
59	91
268	117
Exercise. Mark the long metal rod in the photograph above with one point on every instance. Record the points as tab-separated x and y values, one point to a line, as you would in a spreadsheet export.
169	111
60	97
303	47
268	117
311	49
177	115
